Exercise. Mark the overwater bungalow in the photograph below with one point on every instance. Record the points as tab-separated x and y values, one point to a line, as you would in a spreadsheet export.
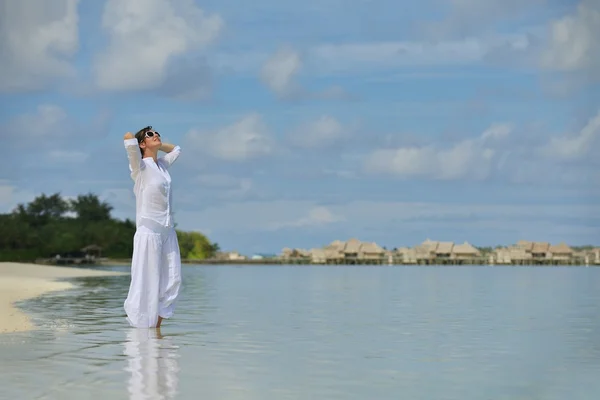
430	251
465	253
561	252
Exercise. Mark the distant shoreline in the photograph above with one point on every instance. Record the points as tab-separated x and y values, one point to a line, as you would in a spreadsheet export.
479	261
22	281
277	261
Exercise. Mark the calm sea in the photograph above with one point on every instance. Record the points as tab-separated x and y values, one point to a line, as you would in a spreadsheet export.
304	332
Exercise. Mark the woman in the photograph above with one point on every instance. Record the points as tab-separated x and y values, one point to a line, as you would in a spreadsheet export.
156	262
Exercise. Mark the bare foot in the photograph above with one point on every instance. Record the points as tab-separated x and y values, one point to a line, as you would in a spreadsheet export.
159	322
158	333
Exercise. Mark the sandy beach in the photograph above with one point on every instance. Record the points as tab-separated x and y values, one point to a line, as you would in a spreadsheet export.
23	281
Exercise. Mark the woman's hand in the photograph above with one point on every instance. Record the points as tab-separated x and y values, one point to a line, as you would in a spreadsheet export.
128	135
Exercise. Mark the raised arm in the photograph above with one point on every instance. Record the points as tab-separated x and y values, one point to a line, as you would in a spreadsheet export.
133	154
172	151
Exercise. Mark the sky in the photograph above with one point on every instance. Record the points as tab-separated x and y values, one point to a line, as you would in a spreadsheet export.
305	122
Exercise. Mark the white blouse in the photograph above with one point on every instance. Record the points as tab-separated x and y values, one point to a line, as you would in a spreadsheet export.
152	186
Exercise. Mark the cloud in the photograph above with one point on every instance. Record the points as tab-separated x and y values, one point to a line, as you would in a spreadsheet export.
37	40
74	157
572	45
315	217
279	73
368	218
28	128
353	57
224	186
496	131
282	70
464	18
574	147
244	140
189	78
52	121
411	211
263	216
356	58
47	140
11	196
501	152
467	159
147	40
279	70
322	132
217	180
520	50
269	225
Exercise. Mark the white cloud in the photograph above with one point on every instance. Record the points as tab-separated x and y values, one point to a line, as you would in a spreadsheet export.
74	157
6	192
573	41
37	39
545	171
246	139
265	216
497	131
407	211
279	73
469	158
217	180
322	132
11	196
316	216
464	18
560	159
351	57
48	119
145	36
573	147
48	138
227	186
279	70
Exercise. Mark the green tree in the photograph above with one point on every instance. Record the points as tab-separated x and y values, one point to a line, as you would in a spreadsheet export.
88	207
195	245
43	209
42	228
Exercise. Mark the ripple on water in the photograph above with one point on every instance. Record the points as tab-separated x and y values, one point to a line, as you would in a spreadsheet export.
331	333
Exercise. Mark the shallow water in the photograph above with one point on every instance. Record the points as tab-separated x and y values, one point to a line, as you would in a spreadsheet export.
277	332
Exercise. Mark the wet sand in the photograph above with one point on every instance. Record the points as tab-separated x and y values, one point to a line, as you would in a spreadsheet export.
24	281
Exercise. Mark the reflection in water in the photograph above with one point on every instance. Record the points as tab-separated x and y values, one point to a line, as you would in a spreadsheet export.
152	361
351	333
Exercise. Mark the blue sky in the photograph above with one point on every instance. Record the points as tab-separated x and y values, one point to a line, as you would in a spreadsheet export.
306	122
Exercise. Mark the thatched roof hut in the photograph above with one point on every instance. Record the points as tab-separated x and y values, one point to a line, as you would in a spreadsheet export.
466	249
540	248
444	248
352	247
92	250
561	248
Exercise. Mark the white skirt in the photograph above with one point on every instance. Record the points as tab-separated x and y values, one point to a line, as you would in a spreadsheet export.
155	276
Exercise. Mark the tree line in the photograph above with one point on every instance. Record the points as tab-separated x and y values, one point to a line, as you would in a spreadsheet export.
51	225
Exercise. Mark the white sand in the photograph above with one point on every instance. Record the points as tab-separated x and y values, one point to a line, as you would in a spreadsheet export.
25	281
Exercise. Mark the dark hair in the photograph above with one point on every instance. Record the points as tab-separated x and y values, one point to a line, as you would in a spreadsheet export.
141	135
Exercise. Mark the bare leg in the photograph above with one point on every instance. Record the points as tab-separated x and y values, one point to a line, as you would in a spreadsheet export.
159	321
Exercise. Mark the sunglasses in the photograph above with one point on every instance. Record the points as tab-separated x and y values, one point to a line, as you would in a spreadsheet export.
149	133
152	133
